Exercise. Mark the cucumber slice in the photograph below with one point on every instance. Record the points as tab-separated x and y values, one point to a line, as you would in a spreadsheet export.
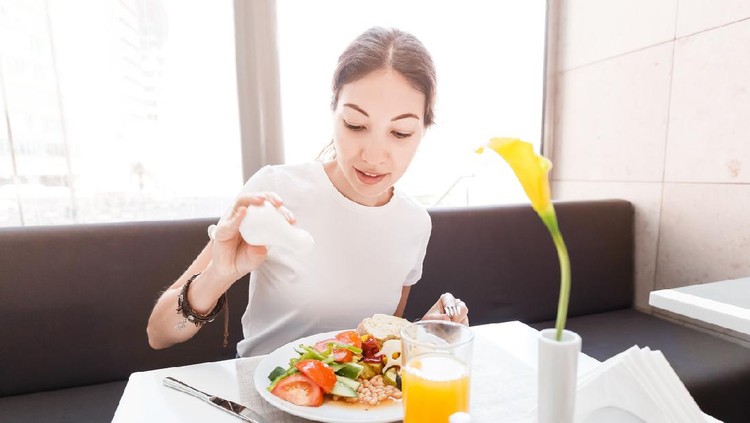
336	366
350	383
342	390
349	370
390	377
278	371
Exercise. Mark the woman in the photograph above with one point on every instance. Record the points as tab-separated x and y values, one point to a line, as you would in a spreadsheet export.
370	239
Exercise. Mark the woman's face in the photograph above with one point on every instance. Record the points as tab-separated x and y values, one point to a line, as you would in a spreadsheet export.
378	125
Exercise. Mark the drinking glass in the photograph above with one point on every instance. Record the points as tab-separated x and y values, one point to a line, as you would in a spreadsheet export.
435	376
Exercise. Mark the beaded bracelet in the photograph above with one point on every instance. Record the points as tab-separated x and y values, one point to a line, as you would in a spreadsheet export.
183	306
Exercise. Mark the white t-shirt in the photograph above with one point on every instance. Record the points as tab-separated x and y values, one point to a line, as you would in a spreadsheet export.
363	257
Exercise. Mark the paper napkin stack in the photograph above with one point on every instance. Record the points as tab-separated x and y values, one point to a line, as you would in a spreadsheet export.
635	385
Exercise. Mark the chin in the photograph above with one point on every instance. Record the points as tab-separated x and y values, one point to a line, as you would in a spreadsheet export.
372	192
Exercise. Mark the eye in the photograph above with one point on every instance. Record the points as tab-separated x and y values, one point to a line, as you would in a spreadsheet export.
355	128
399	134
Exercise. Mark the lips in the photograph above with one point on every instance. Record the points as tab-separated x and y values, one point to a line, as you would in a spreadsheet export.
369	178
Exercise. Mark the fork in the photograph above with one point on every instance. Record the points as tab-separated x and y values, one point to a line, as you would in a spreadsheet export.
454	309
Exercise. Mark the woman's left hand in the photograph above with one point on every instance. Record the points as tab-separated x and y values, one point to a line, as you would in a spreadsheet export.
438	312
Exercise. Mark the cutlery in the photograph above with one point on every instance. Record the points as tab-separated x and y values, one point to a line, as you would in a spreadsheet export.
230	407
454	308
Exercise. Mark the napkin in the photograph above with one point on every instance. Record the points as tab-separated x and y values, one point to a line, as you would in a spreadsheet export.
637	385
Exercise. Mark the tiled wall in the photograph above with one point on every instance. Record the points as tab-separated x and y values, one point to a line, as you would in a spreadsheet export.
652	104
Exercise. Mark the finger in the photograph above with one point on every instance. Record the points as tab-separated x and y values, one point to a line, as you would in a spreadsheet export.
287	214
255	250
238	213
273	198
465	321
447	300
463	311
230	227
249	200
436	316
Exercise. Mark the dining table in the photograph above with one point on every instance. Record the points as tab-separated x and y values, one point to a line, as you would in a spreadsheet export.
503	384
724	303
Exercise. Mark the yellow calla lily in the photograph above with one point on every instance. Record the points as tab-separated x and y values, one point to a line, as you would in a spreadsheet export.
532	171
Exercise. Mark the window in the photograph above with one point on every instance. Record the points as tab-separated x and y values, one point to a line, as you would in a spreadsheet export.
112	108
489	57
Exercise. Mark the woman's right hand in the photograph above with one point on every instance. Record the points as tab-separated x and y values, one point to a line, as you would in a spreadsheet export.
232	257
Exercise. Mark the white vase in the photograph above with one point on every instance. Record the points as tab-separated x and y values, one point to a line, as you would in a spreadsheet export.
558	366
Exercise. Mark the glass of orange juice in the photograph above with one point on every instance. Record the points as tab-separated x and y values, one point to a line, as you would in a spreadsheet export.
436	371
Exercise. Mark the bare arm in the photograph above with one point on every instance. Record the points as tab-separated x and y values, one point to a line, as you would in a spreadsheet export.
223	261
402	303
166	326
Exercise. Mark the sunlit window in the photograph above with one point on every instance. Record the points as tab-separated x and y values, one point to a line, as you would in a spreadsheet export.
116	110
489	57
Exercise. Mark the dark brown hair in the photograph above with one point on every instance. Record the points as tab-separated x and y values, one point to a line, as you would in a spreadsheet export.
386	48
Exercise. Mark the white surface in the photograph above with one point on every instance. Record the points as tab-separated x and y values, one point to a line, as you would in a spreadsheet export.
710	100
146	399
328	412
593	30
496	349
612	415
520	340
636	383
725	304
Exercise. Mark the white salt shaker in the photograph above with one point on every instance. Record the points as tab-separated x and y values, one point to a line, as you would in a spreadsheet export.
459	417
265	225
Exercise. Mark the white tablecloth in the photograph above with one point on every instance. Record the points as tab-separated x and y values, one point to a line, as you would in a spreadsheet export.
503	384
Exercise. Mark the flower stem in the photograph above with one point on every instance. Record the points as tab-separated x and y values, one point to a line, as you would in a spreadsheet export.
562	305
550	221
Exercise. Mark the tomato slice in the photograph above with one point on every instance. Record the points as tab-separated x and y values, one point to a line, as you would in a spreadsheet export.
342	355
323	345
350	337
319	372
299	389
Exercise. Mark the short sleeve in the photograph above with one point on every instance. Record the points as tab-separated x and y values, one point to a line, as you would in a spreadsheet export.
416	273
262	181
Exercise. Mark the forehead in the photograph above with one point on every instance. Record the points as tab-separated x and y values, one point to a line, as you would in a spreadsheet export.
383	92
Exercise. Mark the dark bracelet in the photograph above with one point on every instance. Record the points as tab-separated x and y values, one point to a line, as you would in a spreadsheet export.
183	306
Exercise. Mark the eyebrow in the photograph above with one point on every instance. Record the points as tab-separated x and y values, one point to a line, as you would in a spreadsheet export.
402	116
357	108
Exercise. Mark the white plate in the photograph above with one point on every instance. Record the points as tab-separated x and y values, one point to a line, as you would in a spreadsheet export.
330	411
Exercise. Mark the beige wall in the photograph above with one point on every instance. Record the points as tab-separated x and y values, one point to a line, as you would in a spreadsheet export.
652	104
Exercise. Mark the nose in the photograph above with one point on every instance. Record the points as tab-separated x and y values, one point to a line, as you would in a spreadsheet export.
375	151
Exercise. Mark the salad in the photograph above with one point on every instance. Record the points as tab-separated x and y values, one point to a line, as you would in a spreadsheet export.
351	367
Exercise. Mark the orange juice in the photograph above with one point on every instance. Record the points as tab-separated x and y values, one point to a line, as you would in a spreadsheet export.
434	386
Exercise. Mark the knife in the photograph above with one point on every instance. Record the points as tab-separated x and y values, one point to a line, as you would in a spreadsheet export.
230	407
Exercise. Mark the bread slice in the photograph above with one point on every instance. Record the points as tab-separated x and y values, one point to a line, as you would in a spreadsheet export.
382	326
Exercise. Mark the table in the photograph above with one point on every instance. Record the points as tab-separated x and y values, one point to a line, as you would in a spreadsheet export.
146	399
725	303
504	353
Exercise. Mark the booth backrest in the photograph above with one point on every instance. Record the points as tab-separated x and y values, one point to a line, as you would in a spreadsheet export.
75	301
502	262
